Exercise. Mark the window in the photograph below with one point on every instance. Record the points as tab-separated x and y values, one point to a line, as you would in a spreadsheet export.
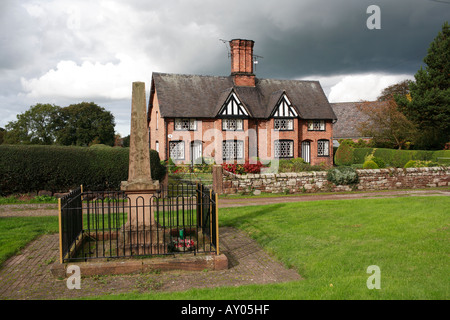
323	148
284	124
232	149
185	124
232	124
157	119
176	150
284	149
157	146
316	125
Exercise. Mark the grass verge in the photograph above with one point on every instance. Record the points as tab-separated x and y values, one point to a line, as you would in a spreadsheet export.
17	232
332	243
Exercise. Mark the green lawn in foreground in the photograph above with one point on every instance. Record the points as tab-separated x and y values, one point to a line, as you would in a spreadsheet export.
16	232
330	243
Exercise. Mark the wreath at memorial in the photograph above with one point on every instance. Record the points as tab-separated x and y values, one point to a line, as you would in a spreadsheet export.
183	245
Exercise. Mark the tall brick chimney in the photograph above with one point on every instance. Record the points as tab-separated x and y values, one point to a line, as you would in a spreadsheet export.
242	62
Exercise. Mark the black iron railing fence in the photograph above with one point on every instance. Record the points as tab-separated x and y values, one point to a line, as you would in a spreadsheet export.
177	219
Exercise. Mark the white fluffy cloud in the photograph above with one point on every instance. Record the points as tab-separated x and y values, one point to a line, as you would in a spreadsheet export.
89	80
357	87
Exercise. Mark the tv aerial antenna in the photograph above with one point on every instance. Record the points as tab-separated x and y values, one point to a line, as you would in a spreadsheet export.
226	43
254	57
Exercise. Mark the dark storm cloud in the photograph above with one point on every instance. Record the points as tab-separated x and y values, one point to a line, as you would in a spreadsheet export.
331	37
109	41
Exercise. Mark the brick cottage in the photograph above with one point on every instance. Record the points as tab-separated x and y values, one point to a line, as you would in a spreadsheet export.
239	117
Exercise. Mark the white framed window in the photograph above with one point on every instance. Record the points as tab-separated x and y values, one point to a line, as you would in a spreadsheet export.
185	124
284	149
323	148
232	124
232	149
176	150
316	125
284	124
157	146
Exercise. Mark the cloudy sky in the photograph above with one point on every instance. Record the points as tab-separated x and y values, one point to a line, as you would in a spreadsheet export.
68	51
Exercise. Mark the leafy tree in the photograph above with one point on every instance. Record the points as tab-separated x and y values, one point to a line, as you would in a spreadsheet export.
84	124
388	127
429	104
398	89
34	126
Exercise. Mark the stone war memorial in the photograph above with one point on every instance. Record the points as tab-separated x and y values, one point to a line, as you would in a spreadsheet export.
165	226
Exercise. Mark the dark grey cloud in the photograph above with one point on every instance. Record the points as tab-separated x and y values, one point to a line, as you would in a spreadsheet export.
295	38
331	37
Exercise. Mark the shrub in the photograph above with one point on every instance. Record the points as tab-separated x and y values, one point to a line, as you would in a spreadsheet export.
253	167
370	165
233	168
344	155
343	176
380	163
158	170
393	157
420	164
296	165
26	169
360	154
247	167
441	156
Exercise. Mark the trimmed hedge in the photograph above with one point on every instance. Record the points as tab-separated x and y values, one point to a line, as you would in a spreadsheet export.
399	158
32	168
344	155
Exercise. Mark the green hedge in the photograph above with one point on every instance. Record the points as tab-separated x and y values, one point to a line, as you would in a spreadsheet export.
58	169
398	158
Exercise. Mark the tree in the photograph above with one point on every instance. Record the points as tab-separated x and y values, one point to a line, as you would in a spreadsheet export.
388	127
126	141
2	134
398	89
428	106
84	123
34	126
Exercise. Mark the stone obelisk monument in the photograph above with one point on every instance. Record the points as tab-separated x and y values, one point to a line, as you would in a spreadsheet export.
141	228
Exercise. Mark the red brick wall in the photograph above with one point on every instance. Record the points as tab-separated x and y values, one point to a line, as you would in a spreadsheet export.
314	137
156	128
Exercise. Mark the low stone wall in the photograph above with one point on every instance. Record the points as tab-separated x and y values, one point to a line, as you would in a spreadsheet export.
316	181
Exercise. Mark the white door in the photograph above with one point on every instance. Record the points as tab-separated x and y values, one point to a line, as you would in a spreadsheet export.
196	152
306	151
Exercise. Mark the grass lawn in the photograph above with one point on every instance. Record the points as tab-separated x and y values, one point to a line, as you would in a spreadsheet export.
330	244
17	232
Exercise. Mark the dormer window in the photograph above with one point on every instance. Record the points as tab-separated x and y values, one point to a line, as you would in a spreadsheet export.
284	114
185	124
316	125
